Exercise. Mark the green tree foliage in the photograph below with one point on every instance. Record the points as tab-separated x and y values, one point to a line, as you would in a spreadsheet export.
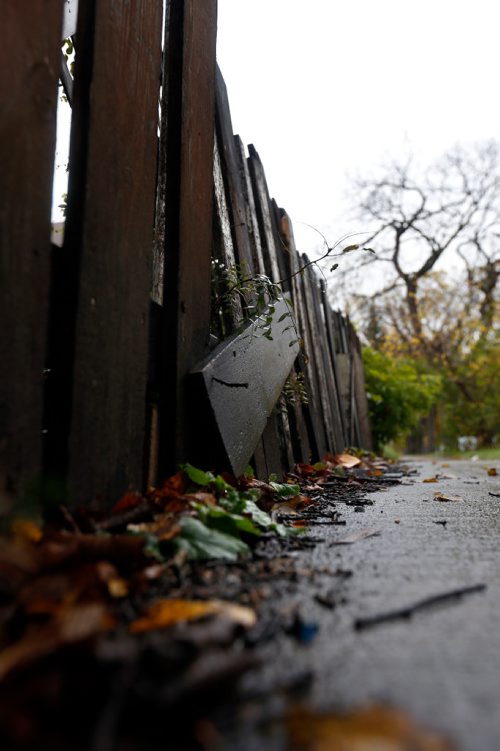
398	395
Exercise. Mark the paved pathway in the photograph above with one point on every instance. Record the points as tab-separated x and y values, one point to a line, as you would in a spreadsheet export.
442	665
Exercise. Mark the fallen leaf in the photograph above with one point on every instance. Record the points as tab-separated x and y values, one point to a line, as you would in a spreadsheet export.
70	627
129	500
165	613
347	460
492	472
362	535
430	479
444	498
26	530
363	729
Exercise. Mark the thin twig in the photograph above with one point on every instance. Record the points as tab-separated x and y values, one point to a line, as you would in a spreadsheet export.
407	612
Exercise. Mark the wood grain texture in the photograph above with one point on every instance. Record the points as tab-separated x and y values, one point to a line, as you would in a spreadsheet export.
30	56
110	232
190	68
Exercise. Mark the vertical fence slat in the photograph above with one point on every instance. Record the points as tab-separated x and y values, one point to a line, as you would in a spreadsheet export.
331	343
29	69
110	233
230	169
250	211
190	65
326	367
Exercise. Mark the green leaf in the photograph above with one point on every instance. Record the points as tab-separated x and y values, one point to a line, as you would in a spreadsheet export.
202	543
350	247
283	316
335	266
369	250
219	518
197	475
284	490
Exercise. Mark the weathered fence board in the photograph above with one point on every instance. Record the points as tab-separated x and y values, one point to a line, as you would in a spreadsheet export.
243	379
250	211
190	80
121	315
30	57
231	171
109	234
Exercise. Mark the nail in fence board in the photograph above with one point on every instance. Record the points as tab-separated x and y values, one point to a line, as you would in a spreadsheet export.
110	233
243	379
29	69
190	62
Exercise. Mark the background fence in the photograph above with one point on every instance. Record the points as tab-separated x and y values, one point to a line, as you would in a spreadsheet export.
111	365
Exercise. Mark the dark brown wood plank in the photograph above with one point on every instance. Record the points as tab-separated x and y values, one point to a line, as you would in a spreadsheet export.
264	216
252	223
331	343
110	230
230	168
359	389
243	379
29	69
318	338
317	400
190	64
300	419
327	367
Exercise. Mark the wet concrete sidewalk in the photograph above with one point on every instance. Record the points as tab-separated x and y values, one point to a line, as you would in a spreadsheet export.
441	665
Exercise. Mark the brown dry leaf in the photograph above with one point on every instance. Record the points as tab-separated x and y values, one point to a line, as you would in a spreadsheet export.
430	479
492	472
291	504
70	627
164	527
129	500
355	536
347	460
364	729
206	498
165	613
25	530
375	473
444	498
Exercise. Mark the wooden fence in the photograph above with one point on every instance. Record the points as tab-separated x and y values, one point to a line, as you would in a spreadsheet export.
108	355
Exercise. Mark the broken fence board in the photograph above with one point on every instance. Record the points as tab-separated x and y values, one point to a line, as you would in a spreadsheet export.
242	380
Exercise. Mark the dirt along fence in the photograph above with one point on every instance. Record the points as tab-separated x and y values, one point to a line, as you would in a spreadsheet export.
177	321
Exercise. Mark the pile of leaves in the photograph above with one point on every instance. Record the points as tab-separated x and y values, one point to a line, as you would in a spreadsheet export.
81	578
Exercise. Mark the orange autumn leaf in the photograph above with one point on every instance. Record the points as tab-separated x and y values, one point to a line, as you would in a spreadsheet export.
25	530
492	472
165	613
129	500
364	729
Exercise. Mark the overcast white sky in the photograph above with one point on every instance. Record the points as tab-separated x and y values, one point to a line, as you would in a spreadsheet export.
330	87
324	88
